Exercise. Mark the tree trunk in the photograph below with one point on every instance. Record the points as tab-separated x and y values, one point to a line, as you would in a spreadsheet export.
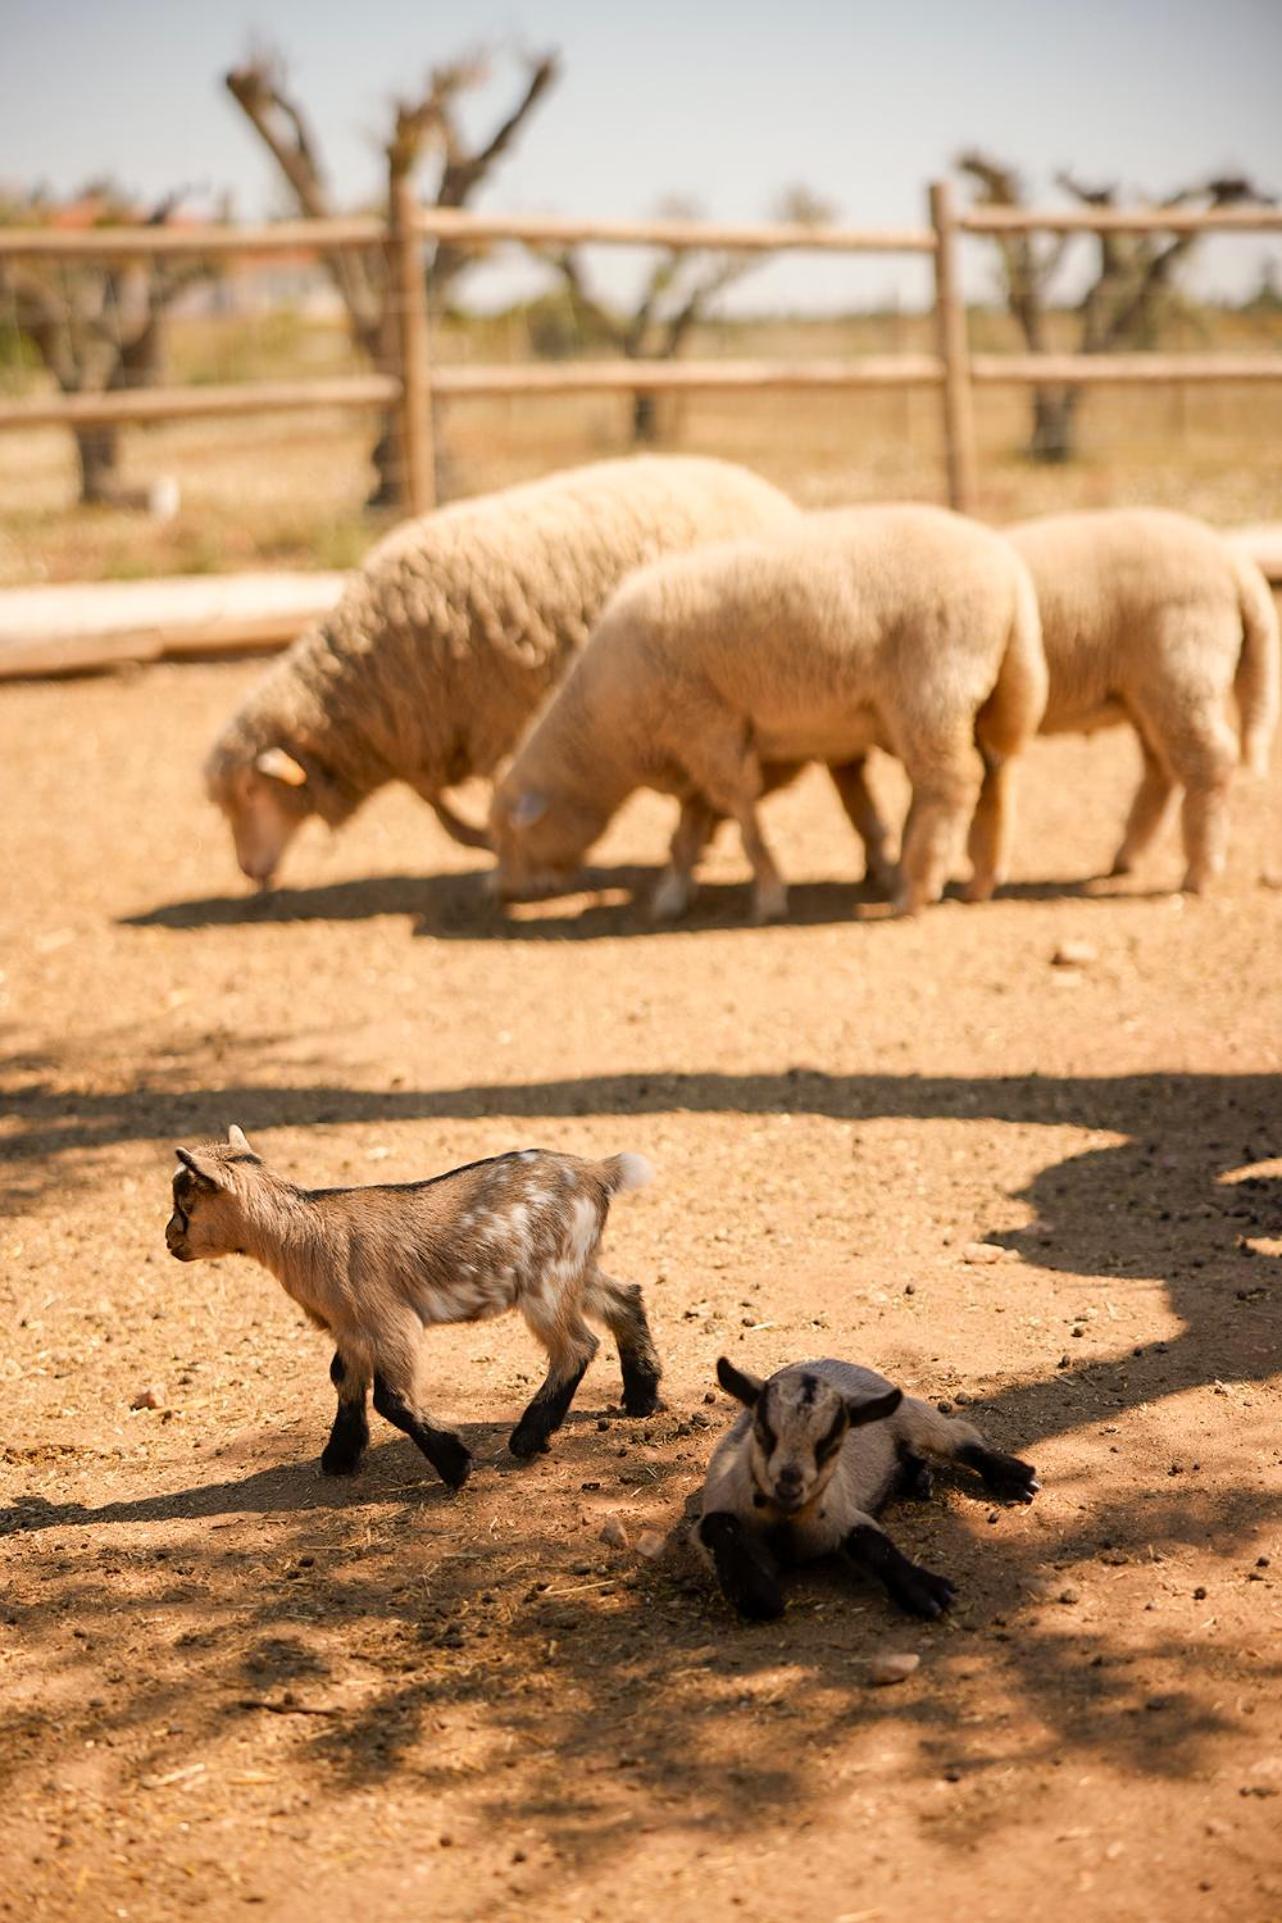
98	450
1054	436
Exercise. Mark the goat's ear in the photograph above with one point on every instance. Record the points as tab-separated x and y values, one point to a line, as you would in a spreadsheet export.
204	1173
279	766
875	1409
238	1139
527	809
738	1383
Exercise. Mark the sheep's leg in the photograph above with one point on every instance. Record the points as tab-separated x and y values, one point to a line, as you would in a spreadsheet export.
621	1307
991	828
746	1570
945	773
1148	810
397	1400
349	1436
850	779
1203	755
694	830
571	1346
914	1589
725	768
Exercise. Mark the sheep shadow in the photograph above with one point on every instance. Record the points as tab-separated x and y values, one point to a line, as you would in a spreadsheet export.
612	902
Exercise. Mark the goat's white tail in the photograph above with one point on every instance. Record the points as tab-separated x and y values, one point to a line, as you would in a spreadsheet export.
1256	683
626	1171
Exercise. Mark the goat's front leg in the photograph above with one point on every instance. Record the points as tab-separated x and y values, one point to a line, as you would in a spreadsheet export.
746	1570
397	1401
915	1589
349	1436
1008	1478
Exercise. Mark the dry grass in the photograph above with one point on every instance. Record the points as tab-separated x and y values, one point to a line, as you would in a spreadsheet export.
288	491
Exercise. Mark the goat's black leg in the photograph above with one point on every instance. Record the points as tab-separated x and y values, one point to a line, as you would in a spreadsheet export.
546	1412
746	1570
914	1481
1005	1477
915	1589
621	1306
447	1453
350	1434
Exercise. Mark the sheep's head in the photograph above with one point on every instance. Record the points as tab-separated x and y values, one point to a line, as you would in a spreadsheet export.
540	841
799	1423
266	801
209	1197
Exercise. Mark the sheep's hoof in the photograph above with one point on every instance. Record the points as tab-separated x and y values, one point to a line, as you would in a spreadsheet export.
769	903
979	888
671	897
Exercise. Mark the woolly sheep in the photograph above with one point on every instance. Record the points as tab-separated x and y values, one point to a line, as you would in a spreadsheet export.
448	638
710	676
820	1448
376	1266
1149	617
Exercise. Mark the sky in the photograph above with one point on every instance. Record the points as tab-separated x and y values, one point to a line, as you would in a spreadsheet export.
725	101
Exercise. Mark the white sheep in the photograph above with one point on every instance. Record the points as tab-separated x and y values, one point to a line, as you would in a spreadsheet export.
449	637
820	1449
1151	618
712	675
375	1266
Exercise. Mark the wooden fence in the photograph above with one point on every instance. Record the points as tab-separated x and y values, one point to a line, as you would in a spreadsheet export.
409	385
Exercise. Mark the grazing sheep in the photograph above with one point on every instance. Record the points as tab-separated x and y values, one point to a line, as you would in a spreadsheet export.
1151	618
820	1448
449	637
376	1266
711	675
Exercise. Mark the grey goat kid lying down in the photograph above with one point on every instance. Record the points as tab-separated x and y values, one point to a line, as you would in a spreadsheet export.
376	1266
821	1447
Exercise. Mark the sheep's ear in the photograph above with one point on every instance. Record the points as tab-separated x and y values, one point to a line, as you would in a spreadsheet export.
238	1139
527	809
874	1410
203	1171
738	1383
279	766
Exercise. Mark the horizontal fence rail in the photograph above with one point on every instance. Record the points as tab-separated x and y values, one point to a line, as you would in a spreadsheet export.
409	384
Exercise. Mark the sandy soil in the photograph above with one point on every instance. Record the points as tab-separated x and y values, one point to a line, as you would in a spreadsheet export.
228	1683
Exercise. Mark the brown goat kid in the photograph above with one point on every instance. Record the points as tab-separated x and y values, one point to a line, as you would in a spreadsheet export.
375	1266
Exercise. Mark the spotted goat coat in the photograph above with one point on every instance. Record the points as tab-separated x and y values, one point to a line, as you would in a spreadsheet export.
375	1266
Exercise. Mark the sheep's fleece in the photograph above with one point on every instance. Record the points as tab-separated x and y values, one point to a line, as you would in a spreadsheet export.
461	621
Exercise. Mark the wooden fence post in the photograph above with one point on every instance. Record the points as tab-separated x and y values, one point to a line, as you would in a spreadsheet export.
954	352
407	289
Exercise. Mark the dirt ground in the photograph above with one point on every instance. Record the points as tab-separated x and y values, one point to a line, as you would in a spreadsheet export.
228	1683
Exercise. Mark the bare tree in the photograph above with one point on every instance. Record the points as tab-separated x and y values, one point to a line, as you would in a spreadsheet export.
1133	292
97	326
676	295
427	123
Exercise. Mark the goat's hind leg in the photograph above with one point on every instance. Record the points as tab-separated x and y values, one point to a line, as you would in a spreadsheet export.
621	1306
916	1590
951	1438
746	1570
571	1346
397	1400
349	1437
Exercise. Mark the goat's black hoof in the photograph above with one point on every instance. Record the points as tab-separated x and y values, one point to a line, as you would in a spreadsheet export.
452	1461
1009	1479
921	1593
642	1399
525	1443
339	1462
